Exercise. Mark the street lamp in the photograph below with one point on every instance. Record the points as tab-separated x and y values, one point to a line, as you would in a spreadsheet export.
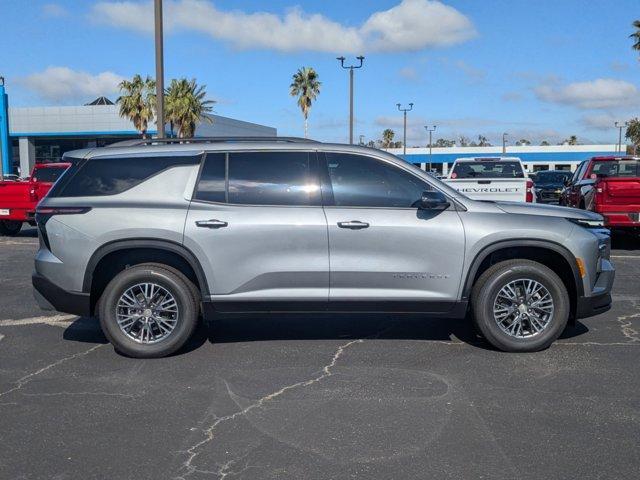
351	68
504	142
404	138
430	129
620	126
159	69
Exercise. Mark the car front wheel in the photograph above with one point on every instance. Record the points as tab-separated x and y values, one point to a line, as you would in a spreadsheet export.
148	311
520	305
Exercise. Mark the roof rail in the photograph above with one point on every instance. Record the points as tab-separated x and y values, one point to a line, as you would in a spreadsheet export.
165	141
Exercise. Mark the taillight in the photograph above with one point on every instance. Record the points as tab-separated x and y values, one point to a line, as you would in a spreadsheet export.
601	189
33	193
43	214
529	191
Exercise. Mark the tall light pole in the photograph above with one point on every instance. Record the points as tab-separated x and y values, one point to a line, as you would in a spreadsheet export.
351	68
404	137
159	69
620	126
504	142
430	129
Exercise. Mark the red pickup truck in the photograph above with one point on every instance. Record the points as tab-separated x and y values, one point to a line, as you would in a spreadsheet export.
18	198
609	186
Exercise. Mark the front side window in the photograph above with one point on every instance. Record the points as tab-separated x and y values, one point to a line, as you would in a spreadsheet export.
260	178
360	181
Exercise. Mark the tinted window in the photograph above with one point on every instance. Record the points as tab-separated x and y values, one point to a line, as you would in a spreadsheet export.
359	181
272	178
50	174
211	186
110	176
487	169
552	177
616	168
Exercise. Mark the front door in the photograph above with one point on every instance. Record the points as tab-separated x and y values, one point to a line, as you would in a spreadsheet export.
382	247
257	224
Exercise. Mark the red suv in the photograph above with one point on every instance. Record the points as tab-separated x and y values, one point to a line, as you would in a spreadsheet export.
609	186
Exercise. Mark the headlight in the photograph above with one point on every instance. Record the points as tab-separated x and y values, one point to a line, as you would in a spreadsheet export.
587	223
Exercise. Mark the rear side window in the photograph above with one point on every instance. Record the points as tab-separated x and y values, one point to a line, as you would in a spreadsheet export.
112	175
260	178
487	169
49	174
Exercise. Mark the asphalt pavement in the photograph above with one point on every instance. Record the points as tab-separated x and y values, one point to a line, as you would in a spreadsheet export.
317	396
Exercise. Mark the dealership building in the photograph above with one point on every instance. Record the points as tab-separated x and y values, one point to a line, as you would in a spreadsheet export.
43	134
535	158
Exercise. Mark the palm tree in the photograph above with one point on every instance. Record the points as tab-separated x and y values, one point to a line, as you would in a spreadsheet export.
138	101
306	87
636	36
633	133
387	138
186	105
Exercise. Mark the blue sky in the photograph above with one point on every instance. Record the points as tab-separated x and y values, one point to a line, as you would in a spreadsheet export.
538	70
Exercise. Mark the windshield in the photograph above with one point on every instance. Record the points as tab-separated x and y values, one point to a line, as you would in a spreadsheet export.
487	169
616	168
48	174
552	177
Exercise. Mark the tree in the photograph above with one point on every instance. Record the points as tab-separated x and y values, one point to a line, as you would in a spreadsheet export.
464	141
483	142
186	105
523	142
397	144
387	138
636	36
633	133
138	102
444	143
544	143
572	140
306	87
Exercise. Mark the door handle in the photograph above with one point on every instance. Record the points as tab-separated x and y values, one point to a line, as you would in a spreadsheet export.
211	223
353	225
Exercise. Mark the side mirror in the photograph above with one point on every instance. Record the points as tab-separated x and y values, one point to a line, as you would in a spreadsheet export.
434	200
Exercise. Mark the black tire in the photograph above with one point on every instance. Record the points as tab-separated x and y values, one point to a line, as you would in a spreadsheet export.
489	285
10	228
168	278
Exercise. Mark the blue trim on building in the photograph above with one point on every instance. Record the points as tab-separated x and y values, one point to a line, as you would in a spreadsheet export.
79	134
5	143
543	157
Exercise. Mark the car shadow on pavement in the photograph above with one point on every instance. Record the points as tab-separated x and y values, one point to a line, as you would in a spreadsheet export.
621	240
241	328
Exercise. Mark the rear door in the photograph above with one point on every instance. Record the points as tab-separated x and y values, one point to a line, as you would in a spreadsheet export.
382	247
257	224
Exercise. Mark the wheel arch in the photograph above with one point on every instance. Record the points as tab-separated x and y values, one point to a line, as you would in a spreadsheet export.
138	251
549	253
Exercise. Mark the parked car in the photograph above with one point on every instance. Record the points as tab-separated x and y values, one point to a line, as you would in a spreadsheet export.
549	184
609	186
18	198
149	233
492	178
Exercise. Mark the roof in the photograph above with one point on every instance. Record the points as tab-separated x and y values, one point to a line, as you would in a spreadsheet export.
101	101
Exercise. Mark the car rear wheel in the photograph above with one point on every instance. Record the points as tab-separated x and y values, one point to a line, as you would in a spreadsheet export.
10	228
148	311
520	306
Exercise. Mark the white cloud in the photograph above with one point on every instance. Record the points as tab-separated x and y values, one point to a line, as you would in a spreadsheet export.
408	73
602	93
62	84
601	121
54	10
411	25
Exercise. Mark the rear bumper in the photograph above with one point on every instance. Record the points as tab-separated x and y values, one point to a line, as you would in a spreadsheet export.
51	297
600	299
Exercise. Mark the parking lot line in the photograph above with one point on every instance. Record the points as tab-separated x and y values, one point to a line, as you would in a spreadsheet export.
54	320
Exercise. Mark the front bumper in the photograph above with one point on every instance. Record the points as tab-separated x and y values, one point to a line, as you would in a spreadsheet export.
51	297
600	299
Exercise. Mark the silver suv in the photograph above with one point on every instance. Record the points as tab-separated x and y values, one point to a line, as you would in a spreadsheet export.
151	234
